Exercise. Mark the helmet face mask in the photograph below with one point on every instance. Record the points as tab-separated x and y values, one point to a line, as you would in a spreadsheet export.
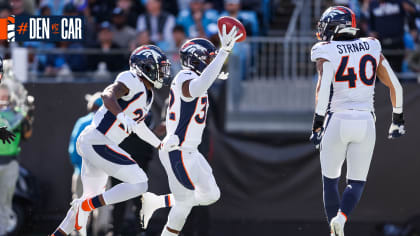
337	23
150	62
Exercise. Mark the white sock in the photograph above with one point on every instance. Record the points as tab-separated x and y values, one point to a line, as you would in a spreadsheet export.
67	225
123	192
166	200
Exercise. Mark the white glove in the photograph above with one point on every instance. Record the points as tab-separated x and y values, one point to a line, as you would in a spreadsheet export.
128	123
223	75
170	143
228	39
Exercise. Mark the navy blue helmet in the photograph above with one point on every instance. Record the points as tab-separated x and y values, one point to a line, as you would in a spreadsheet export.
150	62
337	23
196	54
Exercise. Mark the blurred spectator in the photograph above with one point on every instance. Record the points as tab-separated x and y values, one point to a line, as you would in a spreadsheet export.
5	10
131	10
387	20
45	10
179	38
101	9
18	7
159	23
142	38
196	20
247	18
113	61
56	6
171	6
125	33
70	10
57	62
21	125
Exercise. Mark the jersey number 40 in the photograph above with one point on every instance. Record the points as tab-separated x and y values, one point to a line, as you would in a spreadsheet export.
351	76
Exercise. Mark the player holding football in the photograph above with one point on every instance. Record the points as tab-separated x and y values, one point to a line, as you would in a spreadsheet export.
126	103
347	67
190	177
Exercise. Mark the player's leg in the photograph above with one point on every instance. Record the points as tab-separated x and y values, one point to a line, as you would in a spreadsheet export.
93	181
117	163
333	154
207	192
182	169
359	156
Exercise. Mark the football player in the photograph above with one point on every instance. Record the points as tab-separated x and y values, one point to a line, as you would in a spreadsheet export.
126	103
190	177
344	120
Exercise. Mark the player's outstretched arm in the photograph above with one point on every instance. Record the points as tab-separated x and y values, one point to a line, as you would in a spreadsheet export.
196	87
110	97
325	75
387	76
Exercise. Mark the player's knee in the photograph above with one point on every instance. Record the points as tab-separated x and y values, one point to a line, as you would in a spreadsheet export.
143	186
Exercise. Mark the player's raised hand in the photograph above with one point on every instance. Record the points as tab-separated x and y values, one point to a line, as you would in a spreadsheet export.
128	123
397	128
228	39
6	136
170	143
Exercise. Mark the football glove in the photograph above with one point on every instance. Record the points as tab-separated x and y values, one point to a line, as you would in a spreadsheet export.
317	130
397	127
128	123
6	135
223	75
170	143
228	39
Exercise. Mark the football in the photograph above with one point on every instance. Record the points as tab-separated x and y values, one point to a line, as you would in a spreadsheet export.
230	22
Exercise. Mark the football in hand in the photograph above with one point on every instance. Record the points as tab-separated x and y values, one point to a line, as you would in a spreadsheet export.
230	22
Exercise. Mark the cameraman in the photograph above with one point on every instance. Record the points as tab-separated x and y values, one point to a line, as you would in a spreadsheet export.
20	123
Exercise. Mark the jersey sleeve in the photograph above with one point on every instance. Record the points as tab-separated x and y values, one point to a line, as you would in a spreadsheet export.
320	50
184	75
131	82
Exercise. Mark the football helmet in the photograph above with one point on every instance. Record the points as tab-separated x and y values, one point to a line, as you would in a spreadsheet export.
337	23
151	63
196	54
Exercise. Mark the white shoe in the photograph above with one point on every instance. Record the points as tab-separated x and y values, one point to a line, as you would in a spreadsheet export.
81	216
337	227
150	202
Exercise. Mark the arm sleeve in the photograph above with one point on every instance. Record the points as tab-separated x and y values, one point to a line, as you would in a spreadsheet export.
200	85
147	135
325	87
397	86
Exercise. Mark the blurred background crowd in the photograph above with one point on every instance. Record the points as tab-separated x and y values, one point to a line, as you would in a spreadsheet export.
115	27
258	125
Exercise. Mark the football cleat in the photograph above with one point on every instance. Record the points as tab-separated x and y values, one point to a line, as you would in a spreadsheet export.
150	202
337	226
82	216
